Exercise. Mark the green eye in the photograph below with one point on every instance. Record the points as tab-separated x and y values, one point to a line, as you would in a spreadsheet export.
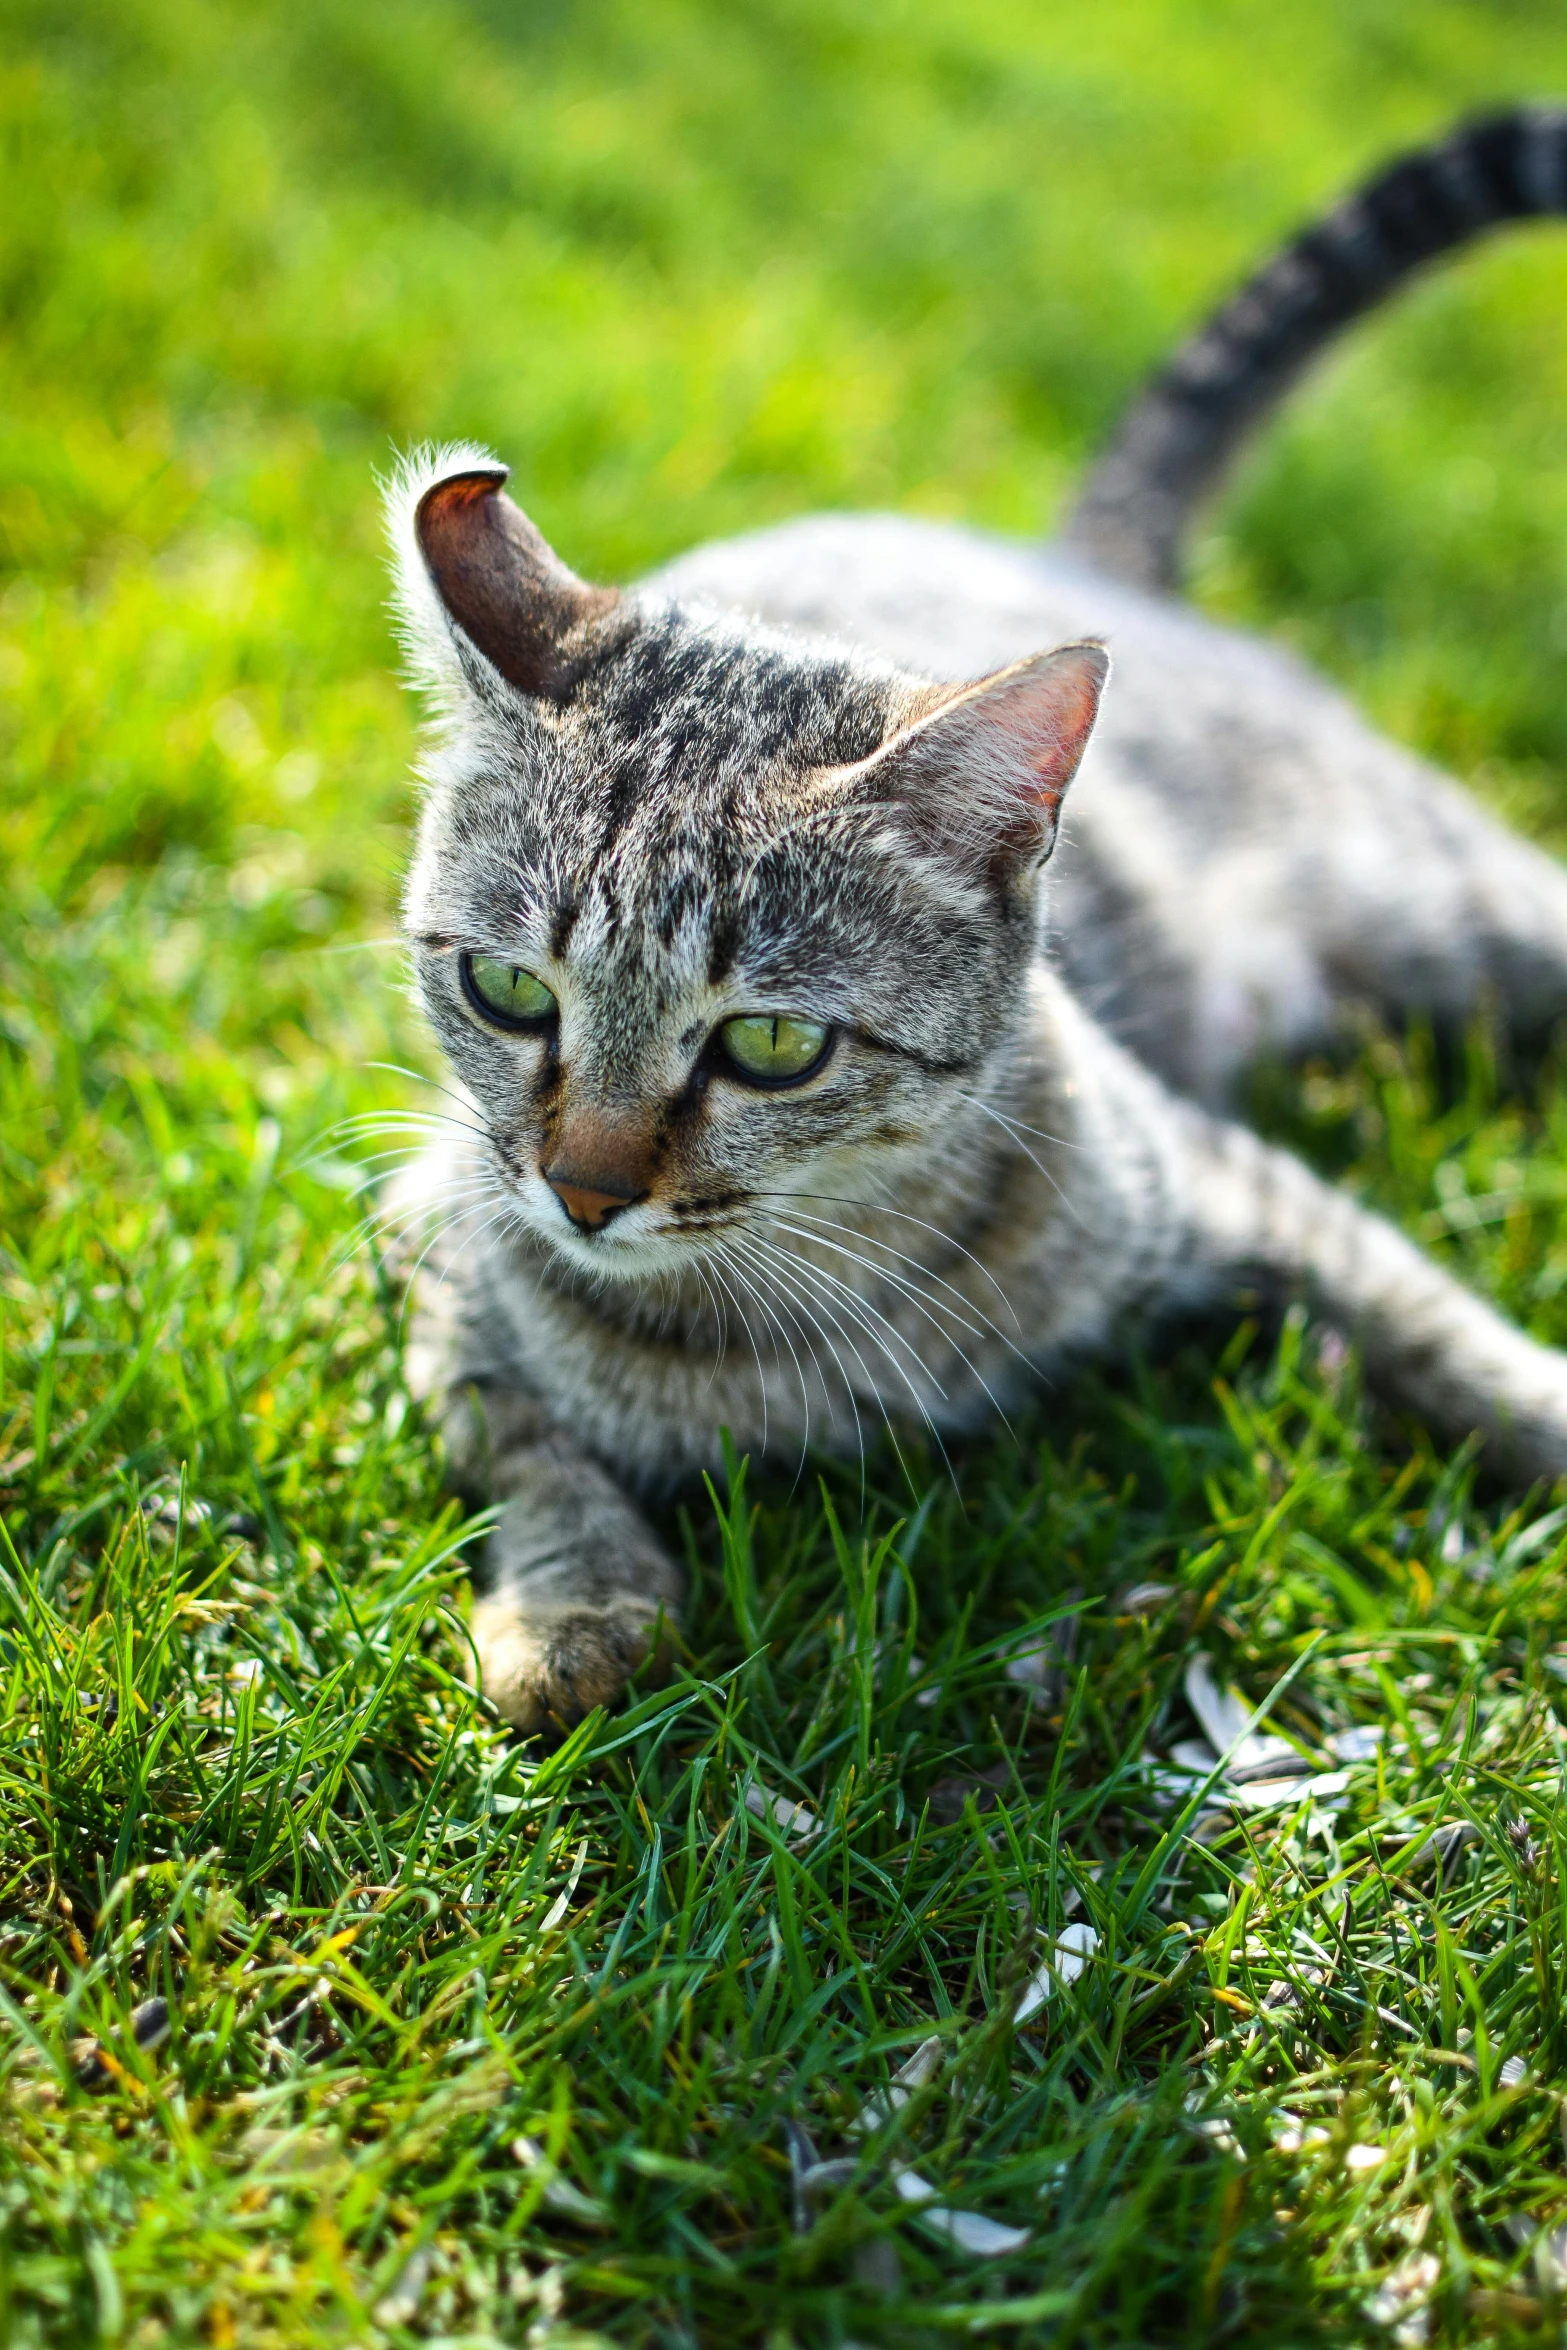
771	1048
505	993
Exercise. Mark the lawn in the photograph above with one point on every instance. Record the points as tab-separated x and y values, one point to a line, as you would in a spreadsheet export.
330	2014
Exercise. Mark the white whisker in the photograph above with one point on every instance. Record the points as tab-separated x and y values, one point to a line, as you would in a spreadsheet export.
507	1213
810	1328
866	1313
989	1110
901	1256
761	1375
386	1222
451	1224
373	1163
818	1281
720	1319
919	1297
418	1077
927	1312
832	1296
882	1208
779	1331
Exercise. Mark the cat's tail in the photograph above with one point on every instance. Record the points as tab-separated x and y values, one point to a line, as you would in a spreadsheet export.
1174	448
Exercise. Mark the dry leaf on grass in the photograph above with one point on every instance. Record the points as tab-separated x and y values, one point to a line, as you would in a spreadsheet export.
969	2231
1250	1769
1402	2300
1074	1946
790	1819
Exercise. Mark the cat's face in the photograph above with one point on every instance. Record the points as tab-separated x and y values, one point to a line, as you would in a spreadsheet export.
708	920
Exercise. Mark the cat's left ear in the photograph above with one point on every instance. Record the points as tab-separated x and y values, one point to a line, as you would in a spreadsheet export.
978	780
468	554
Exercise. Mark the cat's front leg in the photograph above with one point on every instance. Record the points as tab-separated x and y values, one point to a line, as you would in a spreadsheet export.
579	1591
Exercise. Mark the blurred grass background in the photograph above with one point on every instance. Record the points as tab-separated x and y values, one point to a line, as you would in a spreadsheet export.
689	267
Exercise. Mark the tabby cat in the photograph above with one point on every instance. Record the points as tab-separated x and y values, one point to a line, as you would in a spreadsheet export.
778	1113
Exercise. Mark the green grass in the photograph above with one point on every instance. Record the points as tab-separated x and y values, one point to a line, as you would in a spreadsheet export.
472	2044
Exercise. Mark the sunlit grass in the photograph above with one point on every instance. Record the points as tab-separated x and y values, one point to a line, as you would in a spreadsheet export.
459	2041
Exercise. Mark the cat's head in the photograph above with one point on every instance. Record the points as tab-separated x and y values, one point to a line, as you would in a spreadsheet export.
706	915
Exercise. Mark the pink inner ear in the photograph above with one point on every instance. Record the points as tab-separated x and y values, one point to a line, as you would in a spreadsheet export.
1048	711
981	778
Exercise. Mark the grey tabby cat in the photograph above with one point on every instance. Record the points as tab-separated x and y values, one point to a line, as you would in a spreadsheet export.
779	1114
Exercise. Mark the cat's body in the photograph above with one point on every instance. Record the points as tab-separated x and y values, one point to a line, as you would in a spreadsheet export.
652	830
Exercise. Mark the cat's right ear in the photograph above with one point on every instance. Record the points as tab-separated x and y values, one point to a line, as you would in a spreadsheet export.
492	578
976	778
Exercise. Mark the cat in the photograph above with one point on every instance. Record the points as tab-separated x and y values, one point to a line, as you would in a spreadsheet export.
782	1109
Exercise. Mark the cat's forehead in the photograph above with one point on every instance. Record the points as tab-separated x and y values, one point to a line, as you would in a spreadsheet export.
698	696
688	900
680	765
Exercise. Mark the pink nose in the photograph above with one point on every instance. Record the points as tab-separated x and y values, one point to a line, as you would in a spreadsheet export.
587	1206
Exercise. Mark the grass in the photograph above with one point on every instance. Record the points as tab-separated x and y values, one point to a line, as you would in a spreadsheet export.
466	2042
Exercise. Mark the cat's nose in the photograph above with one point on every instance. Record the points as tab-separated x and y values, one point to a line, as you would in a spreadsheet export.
587	1204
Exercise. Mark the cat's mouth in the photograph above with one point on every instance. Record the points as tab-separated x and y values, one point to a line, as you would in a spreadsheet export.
635	1239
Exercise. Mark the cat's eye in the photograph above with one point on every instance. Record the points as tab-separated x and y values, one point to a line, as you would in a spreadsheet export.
773	1048
506	994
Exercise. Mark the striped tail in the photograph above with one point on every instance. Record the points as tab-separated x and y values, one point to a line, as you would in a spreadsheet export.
1179	440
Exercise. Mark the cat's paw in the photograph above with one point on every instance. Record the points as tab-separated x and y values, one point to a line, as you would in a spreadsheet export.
551	1669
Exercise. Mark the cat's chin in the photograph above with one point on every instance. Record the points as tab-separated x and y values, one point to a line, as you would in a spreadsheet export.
630	1261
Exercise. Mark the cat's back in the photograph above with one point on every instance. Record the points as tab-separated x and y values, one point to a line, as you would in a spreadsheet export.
1201	717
